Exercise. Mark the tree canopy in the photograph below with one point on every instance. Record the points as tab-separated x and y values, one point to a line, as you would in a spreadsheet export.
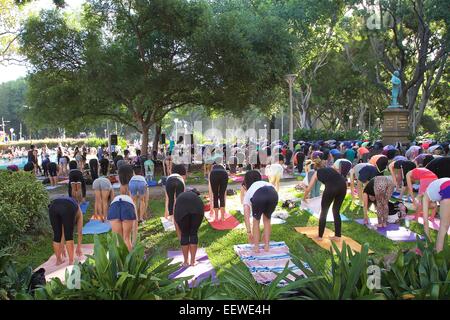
134	61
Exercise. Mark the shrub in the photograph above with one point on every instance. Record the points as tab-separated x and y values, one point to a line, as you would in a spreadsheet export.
53	143
23	204
13	284
323	134
424	275
347	279
114	273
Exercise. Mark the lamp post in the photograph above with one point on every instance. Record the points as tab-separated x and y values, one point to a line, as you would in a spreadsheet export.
290	78
11	130
20	132
350	122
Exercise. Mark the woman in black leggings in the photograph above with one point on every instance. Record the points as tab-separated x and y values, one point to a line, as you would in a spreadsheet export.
126	172
218	182
104	167
189	213
299	159
174	187
259	199
64	214
440	167
93	166
335	191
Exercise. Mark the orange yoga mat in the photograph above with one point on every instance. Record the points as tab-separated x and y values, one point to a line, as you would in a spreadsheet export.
229	223
312	232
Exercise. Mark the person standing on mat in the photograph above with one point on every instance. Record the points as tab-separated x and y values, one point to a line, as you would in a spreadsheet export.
343	166
104	194
440	166
125	174
424	177
399	169
438	191
122	216
355	174
93	168
275	171
335	191
218	182
259	198
76	182
299	159
188	216
139	194
65	214
379	191
380	162
174	187
53	173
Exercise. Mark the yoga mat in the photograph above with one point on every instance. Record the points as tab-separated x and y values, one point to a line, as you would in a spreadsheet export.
240	178
96	227
406	198
273	220
230	222
393	231
64	181
116	185
203	270
313	207
325	243
263	265
54	271
152	183
51	187
167	224
84	206
433	224
296	174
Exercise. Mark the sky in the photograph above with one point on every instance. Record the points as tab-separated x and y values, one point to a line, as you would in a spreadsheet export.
12	72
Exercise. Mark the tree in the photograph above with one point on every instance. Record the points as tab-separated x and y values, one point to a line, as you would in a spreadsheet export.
135	61
413	37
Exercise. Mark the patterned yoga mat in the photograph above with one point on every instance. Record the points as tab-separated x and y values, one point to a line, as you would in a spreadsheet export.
263	265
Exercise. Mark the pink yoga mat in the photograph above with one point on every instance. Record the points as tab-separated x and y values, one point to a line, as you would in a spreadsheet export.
241	178
54	271
433	224
230	222
203	270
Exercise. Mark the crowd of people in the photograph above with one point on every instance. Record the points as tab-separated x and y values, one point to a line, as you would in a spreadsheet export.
370	172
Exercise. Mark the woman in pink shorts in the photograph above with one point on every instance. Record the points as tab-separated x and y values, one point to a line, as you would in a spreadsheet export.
424	177
438	191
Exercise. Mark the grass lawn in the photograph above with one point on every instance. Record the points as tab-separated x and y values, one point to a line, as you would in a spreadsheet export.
219	244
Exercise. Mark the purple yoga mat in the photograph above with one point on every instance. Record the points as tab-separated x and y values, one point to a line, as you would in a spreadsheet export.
393	231
203	270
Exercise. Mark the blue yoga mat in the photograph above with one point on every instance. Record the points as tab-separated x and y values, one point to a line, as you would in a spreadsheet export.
152	183
96	227
84	206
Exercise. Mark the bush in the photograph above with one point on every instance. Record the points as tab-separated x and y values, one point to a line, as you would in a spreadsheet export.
53	143
423	275
114	273
23	205
13	284
323	134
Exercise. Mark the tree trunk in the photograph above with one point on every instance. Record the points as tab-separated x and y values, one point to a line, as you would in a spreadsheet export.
156	137
144	146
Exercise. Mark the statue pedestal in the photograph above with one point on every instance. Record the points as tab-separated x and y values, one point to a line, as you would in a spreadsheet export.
395	126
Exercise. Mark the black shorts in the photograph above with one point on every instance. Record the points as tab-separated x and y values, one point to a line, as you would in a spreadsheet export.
264	201
52	169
